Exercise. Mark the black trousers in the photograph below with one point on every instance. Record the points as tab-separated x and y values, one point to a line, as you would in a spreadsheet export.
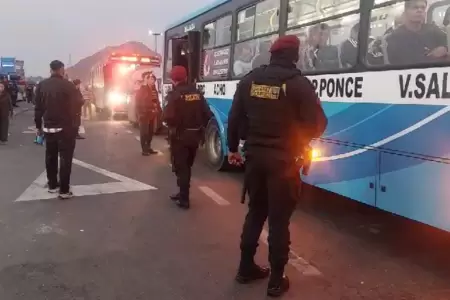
4	123
146	132
184	150
60	144
273	188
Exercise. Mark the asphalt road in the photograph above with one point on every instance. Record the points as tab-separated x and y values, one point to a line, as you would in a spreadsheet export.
128	241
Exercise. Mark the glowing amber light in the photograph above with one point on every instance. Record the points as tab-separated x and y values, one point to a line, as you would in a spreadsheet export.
315	153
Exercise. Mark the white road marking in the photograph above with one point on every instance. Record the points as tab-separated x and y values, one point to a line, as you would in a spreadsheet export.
129	131
213	195
82	130
38	191
31	129
138	138
299	263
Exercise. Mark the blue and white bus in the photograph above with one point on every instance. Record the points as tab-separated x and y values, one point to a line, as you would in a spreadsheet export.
381	70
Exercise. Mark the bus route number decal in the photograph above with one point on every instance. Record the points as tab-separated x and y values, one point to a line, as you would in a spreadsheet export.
201	88
219	89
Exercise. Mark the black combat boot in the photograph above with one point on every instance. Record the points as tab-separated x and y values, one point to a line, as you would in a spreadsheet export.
250	272
183	203
278	284
175	197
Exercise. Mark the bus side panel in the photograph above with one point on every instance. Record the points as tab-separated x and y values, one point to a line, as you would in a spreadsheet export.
220	108
417	189
345	170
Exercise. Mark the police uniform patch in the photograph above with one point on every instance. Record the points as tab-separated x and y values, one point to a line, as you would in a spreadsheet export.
269	92
191	97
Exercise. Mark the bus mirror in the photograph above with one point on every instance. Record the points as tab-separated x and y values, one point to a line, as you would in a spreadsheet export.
194	53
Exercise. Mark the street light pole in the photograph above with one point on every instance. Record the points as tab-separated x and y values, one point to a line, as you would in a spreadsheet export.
155	35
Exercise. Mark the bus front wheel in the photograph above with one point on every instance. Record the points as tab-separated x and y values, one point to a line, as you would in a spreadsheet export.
213	146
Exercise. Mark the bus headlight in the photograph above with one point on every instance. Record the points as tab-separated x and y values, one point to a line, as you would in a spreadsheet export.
117	98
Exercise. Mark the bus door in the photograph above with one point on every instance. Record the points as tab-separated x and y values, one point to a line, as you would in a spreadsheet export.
186	52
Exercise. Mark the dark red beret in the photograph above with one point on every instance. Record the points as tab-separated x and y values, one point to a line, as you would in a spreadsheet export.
178	73
285	42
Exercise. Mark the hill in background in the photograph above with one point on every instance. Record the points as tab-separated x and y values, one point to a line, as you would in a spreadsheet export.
82	68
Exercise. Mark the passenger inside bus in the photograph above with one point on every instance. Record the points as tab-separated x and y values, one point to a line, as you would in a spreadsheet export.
416	41
318	54
243	58
263	56
349	48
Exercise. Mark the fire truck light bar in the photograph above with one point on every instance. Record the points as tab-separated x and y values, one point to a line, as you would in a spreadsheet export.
136	59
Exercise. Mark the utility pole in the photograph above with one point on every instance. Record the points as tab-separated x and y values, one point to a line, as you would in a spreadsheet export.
70	60
155	35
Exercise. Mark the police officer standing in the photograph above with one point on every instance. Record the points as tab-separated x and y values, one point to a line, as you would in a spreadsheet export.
186	114
57	102
283	114
77	83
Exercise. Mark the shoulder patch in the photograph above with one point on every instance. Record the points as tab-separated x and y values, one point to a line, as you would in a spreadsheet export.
191	97
262	91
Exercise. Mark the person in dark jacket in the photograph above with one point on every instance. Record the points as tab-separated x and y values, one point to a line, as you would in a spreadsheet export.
77	83
58	102
186	114
29	93
148	107
283	114
6	111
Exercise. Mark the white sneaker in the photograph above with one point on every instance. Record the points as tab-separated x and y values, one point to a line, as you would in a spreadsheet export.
53	191
65	196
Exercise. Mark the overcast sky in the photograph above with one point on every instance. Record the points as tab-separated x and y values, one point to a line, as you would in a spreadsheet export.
39	31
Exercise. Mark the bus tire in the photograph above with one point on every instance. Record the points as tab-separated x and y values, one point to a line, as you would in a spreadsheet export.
215	155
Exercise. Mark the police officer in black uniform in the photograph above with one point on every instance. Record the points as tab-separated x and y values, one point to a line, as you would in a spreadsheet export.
186	114
283	114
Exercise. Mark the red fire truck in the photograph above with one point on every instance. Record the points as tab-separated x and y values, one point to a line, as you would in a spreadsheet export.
112	81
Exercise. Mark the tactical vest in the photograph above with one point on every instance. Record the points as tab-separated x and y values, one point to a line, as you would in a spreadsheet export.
272	119
189	108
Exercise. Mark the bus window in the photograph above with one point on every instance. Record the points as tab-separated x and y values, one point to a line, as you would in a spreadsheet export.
251	54
217	33
267	17
209	35
330	45
302	12
215	62
261	18
223	31
404	36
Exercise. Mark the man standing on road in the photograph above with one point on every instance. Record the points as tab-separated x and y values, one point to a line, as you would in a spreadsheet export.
57	102
283	114
186	114
6	112
147	106
88	98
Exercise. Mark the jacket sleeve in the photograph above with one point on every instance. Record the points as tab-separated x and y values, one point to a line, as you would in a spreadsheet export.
170	110
237	117
309	110
39	108
139	101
